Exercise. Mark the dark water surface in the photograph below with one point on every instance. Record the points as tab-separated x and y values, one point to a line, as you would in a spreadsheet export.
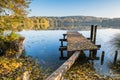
44	45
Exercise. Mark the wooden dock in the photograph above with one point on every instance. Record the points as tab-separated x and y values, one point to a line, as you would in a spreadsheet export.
77	42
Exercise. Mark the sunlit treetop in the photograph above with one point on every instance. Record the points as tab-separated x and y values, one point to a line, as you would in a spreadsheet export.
14	7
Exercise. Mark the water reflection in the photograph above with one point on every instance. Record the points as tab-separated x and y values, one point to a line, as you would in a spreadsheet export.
44	45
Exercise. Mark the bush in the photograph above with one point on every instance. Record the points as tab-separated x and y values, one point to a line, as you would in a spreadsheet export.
10	44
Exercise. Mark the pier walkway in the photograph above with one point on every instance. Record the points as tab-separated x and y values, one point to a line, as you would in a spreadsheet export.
77	42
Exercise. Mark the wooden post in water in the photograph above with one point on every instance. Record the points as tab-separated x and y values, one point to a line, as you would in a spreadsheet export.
64	35
61	43
91	35
94	53
115	57
93	40
102	57
91	55
94	34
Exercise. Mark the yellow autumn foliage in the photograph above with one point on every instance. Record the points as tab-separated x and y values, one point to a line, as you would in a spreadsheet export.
13	68
7	65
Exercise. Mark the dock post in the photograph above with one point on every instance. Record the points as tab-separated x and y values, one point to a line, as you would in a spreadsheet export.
91	54
102	57
64	35
95	31
61	43
91	35
115	57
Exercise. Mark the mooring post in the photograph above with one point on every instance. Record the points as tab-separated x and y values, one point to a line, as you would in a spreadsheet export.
94	34
91	35
102	57
115	57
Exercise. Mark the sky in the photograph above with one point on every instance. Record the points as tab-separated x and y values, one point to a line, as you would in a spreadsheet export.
97	8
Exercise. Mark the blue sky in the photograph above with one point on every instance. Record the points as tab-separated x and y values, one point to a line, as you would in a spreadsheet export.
98	8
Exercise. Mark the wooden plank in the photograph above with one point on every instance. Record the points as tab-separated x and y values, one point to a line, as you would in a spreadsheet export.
63	48
57	75
77	42
62	39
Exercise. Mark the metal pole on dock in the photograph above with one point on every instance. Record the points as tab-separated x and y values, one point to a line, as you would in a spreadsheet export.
115	57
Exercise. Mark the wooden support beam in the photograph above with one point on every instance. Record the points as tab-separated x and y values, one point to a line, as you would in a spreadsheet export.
63	48
92	54
58	74
99	46
62	39
88	38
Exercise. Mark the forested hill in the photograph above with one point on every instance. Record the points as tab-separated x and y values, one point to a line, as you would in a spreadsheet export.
83	21
67	22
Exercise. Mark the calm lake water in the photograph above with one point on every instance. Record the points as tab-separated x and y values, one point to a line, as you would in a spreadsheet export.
44	45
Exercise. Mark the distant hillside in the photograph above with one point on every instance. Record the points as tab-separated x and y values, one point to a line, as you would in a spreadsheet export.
77	21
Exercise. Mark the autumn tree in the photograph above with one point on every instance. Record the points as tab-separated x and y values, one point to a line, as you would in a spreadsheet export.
12	12
44	24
